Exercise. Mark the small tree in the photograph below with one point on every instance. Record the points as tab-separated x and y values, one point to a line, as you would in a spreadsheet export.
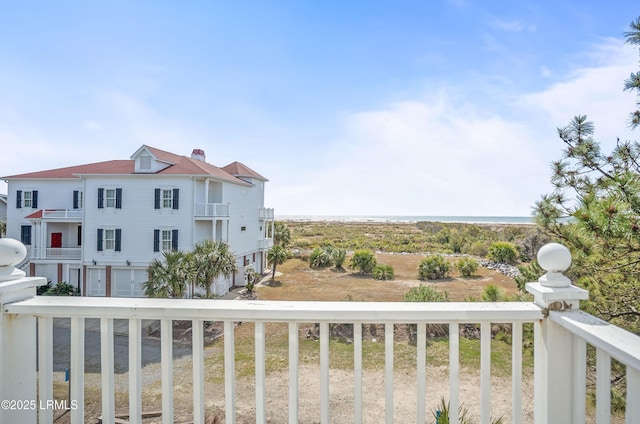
253	277
363	260
281	234
424	293
62	289
167	277
492	293
383	272
503	252
467	266
434	267
276	255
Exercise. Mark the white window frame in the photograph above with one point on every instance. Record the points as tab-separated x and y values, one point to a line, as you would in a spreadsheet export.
109	239
109	201
166	199
27	199
80	199
166	240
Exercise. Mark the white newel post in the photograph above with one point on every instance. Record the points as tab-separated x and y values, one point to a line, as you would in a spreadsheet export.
18	385
556	394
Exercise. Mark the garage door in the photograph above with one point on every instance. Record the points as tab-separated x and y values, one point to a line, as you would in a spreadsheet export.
96	285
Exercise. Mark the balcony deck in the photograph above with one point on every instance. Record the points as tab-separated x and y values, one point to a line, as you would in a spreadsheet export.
560	340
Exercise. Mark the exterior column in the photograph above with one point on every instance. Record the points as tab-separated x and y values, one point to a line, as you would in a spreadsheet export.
554	388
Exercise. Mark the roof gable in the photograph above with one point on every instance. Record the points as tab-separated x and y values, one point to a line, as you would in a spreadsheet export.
238	169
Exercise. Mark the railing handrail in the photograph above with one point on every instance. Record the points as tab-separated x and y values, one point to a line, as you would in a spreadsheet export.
617	342
278	311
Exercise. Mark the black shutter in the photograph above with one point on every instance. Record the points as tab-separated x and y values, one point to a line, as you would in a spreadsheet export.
75	199
118	198
99	239
118	245
157	199
34	199
79	235
156	240
176	196
100	198
25	234
174	239
18	199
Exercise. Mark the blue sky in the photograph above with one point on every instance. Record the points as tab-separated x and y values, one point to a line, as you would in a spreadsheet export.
365	107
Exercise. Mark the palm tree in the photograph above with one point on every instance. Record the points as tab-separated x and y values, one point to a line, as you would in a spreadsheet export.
281	234
210	260
167	277
276	255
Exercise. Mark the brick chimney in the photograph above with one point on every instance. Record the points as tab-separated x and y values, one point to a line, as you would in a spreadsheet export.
198	154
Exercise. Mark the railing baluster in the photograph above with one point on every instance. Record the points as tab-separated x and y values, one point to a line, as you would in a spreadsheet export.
76	380
261	387
579	380
421	374
388	372
454	370
324	373
603	387
166	361
135	371
633	394
106	369
293	372
229	373
485	372
197	347
516	372
45	367
357	372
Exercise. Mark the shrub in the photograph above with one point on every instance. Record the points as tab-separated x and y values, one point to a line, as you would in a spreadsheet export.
321	257
476	248
424	293
383	272
62	289
363	260
467	266
492	293
339	255
502	251
433	268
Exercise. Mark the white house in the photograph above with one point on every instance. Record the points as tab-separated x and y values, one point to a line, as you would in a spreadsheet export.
98	226
3	209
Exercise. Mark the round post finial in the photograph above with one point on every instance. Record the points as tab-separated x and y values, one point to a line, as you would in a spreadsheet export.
12	252
555	259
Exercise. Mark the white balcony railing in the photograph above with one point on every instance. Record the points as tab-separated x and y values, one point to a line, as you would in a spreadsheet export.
561	333
63	253
265	243
266	214
68	214
212	210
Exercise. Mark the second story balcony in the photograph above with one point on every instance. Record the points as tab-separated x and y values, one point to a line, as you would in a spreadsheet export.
562	335
212	210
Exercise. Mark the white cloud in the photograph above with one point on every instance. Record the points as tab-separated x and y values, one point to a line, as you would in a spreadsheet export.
513	25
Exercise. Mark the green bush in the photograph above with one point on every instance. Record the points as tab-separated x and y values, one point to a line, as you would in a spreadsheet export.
321	257
434	267
467	266
424	293
503	251
363	260
62	289
492	293
339	255
383	272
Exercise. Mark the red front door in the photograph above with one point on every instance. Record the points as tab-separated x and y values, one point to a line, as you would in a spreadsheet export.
56	239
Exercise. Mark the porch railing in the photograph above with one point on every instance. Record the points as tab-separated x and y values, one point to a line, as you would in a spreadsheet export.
62	214
212	209
561	333
63	253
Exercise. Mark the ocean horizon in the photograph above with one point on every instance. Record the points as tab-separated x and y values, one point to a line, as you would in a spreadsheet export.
410	218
